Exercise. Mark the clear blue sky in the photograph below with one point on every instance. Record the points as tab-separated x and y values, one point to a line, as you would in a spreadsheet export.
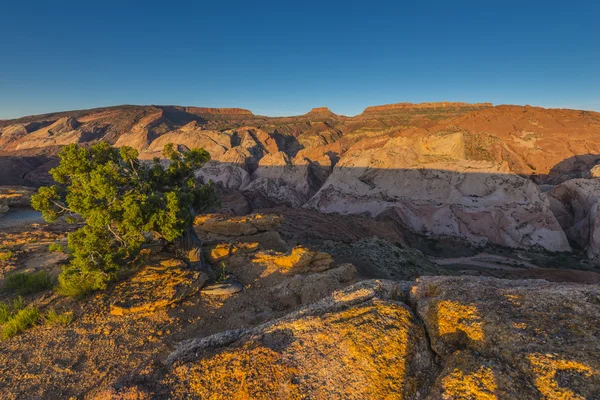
284	57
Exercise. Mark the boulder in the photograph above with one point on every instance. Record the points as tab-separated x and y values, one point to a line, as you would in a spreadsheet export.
594	172
351	345
223	251
298	260
511	339
236	226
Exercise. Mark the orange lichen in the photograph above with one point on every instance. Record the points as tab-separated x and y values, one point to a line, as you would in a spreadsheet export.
519	325
298	256
363	349
298	260
545	366
477	385
513	298
453	317
224	250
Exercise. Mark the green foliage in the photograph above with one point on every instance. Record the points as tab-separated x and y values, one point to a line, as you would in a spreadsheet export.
119	198
74	283
54	318
8	309
223	273
19	322
55	247
24	283
6	255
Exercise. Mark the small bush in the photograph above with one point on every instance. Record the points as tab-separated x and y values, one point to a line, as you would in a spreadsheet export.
25	283
55	247
19	322
79	285
6	255
8	310
54	318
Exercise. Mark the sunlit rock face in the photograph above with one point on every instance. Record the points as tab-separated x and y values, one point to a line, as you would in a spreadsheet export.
511	339
430	186
490	339
350	345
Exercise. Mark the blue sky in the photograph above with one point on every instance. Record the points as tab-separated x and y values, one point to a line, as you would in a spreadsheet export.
283	57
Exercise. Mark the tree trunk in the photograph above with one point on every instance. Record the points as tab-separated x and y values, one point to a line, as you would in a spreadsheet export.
188	246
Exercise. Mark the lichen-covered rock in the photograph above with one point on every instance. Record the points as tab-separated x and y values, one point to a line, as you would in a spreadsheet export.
156	286
300	259
500	337
375	350
222	251
237	226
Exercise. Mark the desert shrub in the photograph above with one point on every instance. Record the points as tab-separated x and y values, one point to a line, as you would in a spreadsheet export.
24	283
55	247
118	198
80	284
53	318
6	255
8	309
19	322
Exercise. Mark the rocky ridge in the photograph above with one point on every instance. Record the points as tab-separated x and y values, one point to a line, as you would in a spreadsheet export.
472	171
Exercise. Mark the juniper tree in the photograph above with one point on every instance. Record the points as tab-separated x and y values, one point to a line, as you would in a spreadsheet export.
120	200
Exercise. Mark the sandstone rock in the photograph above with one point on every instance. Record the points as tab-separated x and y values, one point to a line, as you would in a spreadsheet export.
574	203
222	289
495	336
299	260
432	189
192	136
269	240
265	192
365	348
228	176
594	172
156	286
236	226
222	251
306	289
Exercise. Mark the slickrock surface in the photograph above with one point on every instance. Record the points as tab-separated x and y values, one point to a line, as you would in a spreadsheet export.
460	338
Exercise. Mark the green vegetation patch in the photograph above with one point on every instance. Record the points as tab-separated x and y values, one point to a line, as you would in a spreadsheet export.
55	247
54	318
9	309
24	283
19	322
6	255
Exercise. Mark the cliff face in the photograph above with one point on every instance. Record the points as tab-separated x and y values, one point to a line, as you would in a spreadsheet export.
454	169
421	106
